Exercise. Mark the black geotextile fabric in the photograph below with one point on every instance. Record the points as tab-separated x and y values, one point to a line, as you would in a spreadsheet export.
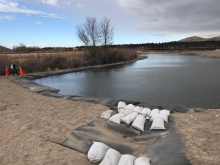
163	147
28	83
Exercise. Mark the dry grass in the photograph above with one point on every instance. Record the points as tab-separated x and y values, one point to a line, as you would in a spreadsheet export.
22	58
65	60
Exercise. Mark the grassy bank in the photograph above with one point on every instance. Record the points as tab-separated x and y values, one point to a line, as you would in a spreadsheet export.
65	60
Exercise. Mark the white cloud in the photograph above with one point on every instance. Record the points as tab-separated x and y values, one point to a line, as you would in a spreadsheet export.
39	22
68	3
6	17
79	5
13	7
50	2
175	16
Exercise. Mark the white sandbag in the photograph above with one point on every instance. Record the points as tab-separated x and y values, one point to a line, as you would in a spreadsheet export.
130	106
97	152
139	122
147	118
117	118
154	112
121	104
121	110
106	114
129	118
126	111
138	109
146	112
142	161
158	123
126	160
164	111
111	157
163	116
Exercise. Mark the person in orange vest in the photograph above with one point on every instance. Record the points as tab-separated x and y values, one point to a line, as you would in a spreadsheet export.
12	69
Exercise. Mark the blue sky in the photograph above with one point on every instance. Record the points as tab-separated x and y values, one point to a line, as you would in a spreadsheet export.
52	22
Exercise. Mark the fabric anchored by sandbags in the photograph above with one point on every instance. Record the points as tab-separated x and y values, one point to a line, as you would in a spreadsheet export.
121	104
158	123
125	111
104	155
111	157
139	122
146	112
164	111
106	114
126	160
97	152
138	109
130	106
129	118
154	112
163	116
117	118
142	161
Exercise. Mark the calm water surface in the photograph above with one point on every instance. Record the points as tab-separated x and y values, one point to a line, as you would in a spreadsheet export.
161	79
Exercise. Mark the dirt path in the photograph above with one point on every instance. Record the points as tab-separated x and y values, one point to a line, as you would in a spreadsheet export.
29	122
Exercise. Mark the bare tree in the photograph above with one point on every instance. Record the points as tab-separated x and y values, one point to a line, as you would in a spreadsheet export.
21	48
89	32
81	33
93	34
106	31
91	28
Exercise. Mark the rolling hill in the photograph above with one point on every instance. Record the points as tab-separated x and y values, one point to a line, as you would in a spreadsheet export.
198	39
4	49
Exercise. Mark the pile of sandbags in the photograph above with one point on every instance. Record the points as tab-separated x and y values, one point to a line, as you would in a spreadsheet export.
104	155
137	116
159	117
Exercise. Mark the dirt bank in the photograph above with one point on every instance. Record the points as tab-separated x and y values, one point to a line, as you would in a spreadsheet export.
201	136
207	53
30	122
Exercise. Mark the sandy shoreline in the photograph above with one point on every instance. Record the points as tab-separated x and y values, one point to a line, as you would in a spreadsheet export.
30	122
206	53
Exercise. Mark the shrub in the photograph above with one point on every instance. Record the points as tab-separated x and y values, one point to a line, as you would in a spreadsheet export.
49	62
4	61
31	65
119	55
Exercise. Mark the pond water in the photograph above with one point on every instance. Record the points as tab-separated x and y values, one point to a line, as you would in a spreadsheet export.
161	79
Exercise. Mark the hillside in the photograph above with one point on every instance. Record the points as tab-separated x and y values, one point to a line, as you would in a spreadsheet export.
199	39
4	49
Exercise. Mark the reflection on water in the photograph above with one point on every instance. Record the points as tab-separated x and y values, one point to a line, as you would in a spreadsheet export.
161	79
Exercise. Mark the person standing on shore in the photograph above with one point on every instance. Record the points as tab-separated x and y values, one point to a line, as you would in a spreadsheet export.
12	69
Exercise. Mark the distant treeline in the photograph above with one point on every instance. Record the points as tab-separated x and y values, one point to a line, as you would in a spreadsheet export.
202	45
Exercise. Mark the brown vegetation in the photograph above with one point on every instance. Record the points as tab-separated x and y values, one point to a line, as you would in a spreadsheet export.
65	60
24	49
